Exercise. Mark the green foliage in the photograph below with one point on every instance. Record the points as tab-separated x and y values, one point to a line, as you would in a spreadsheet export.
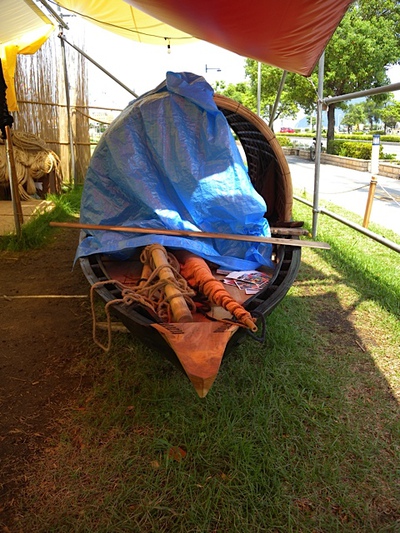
358	150
270	81
240	92
390	114
284	141
333	146
354	116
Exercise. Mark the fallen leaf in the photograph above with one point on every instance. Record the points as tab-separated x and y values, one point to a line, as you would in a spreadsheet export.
176	453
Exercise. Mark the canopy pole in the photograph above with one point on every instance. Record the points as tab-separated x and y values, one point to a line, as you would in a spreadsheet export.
277	99
367	92
259	88
6	121
64	40
318	144
73	177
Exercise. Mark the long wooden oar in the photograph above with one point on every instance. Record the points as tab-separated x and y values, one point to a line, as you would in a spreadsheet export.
198	234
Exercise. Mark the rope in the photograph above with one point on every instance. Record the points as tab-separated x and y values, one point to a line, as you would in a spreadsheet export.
344	192
149	293
128	297
259	338
388	193
33	159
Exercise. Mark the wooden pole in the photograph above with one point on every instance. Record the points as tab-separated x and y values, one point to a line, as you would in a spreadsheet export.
12	174
370	199
179	308
196	234
6	121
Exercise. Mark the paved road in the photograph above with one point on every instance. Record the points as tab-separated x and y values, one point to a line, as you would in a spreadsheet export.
349	189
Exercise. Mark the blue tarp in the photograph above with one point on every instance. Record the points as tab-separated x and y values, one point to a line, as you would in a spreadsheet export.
170	161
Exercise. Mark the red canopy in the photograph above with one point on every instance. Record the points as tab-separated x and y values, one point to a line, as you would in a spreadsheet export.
290	34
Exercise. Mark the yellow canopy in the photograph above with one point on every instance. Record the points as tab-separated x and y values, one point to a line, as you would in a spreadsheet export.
23	30
125	20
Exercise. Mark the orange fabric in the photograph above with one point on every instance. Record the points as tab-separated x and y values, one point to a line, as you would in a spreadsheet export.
290	34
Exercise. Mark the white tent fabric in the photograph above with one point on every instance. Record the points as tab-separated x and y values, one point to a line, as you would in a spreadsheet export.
23	30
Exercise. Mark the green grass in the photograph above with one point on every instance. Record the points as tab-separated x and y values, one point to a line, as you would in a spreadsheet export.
36	231
372	267
298	435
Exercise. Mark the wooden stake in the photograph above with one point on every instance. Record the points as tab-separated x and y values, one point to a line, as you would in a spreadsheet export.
179	308
12	175
196	234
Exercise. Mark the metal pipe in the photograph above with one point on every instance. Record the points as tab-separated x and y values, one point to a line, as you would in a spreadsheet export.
259	89
368	92
63	39
277	99
318	144
73	177
55	15
374	236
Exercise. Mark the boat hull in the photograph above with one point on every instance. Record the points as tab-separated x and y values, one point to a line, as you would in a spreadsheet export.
197	348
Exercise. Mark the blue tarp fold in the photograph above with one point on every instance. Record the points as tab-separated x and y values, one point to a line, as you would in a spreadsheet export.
170	161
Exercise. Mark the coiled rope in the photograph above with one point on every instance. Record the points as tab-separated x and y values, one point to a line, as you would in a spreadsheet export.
148	293
33	159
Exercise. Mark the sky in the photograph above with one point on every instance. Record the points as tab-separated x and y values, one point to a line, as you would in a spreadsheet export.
141	67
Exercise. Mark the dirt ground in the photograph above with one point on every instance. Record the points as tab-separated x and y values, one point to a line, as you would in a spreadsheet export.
41	340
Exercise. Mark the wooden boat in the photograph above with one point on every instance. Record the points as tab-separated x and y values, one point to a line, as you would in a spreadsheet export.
199	345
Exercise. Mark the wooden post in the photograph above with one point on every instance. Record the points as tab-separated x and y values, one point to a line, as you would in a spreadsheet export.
6	121
371	194
12	174
179	307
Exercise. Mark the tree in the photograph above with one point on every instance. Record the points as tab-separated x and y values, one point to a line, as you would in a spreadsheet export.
373	108
270	81
240	92
390	114
355	116
357	56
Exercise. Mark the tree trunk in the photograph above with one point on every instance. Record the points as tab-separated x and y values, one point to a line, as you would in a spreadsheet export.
331	123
